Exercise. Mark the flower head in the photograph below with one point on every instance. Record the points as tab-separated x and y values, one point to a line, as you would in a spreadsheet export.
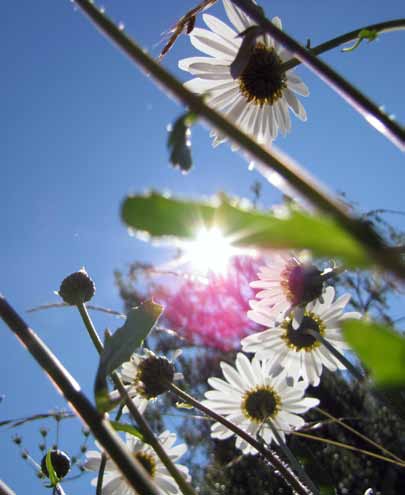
147	377
114	482
250	397
258	99
294	349
285	282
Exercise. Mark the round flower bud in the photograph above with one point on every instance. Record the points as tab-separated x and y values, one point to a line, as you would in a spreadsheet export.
155	375
60	463
77	288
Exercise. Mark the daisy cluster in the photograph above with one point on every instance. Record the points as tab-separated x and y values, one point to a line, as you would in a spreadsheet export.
265	395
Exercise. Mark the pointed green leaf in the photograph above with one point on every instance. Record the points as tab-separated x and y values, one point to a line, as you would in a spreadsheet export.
178	142
122	344
160	217
380	348
128	429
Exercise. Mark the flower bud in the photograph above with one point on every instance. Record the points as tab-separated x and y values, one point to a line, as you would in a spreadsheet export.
77	288
60	463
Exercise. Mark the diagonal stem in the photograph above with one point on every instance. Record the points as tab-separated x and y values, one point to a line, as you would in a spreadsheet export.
381	27
368	109
80	404
272	160
285	471
292	459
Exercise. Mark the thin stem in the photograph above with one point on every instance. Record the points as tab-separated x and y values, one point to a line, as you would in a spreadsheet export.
90	327
143	425
381	27
338	355
80	404
360	435
103	462
292	459
348	447
368	109
272	160
287	474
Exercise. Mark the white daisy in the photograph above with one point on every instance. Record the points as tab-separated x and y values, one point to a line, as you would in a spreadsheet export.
251	397
147	376
300	354
114	482
286	282
259	98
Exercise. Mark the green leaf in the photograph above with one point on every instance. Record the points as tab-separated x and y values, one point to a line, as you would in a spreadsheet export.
122	344
162	217
380	348
178	142
53	477
128	429
364	34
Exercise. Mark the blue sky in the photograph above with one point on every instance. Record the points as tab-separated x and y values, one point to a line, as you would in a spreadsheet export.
81	127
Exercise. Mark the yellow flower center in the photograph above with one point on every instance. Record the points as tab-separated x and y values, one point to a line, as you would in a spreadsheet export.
148	462
298	339
260	403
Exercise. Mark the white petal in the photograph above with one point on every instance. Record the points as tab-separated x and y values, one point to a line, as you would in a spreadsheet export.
212	44
238	18
222	29
295	105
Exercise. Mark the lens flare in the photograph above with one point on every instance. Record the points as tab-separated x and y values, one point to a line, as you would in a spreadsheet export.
209	252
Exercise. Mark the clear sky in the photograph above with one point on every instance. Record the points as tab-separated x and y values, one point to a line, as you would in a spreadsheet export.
80	127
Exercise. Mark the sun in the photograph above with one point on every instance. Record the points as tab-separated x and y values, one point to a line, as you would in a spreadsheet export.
210	251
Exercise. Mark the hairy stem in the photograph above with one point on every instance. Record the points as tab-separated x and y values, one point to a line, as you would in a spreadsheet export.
80	404
285	471
273	160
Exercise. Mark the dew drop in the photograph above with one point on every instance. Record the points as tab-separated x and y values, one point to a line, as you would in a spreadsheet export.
121	26
102	9
251	166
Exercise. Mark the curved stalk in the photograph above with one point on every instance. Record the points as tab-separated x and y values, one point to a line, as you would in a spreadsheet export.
381	27
288	475
271	160
367	108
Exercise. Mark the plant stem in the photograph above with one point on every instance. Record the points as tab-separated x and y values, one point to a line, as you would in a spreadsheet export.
5	489
360	435
292	459
150	438
338	355
90	328
137	416
381	27
103	462
347	446
272	160
285	471
80	404
368	109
